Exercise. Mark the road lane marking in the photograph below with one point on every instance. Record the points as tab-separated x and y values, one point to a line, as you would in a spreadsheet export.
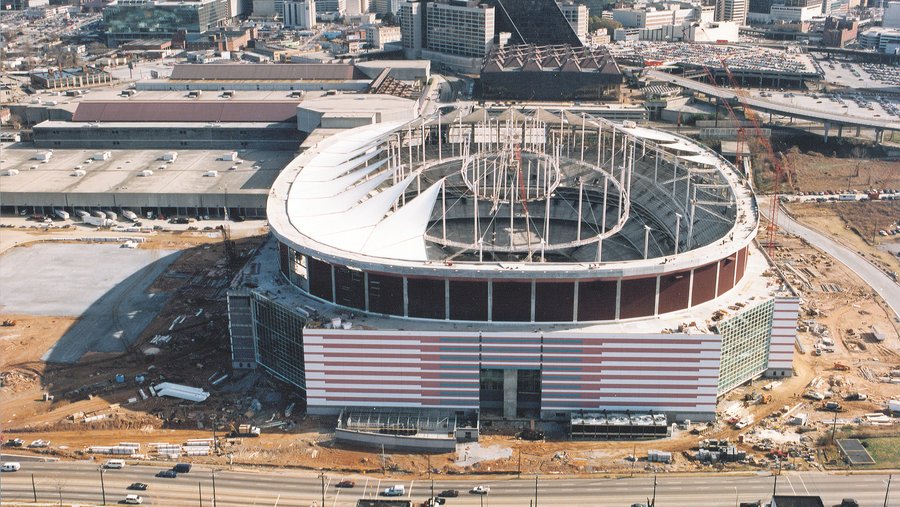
794	491
803	483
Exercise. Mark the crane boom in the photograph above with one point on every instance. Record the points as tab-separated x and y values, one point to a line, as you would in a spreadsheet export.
763	141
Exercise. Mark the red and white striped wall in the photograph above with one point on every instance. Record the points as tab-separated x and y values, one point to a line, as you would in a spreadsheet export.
673	373
784	334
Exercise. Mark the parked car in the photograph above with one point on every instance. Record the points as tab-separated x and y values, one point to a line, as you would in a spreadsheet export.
449	493
139	486
15	442
345	484
167	474
480	490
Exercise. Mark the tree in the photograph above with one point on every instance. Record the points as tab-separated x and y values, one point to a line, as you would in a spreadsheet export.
389	19
596	23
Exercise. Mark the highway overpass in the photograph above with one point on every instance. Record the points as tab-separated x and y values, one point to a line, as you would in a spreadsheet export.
828	119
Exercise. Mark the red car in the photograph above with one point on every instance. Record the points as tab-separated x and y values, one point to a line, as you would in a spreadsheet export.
345	484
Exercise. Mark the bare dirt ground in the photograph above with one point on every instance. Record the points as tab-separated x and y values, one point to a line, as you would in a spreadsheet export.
856	224
813	172
198	352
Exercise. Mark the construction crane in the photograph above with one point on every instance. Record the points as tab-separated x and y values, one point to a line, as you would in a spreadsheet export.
763	141
739	124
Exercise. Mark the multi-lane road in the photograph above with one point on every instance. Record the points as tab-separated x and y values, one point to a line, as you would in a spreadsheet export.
80	483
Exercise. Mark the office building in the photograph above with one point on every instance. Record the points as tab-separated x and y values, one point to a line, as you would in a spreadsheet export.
577	16
454	33
383	7
732	10
338	7
300	14
128	20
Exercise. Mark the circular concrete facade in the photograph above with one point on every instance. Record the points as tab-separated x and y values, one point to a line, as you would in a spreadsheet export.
517	218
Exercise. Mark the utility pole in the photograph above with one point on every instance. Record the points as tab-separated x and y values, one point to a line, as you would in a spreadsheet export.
322	478
888	491
535	490
653	503
518	468
833	427
102	486
214	486
33	488
200	492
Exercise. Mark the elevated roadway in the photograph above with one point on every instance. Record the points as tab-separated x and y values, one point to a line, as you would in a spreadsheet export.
823	116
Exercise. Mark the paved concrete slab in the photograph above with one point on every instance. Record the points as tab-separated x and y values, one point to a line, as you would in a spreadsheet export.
104	285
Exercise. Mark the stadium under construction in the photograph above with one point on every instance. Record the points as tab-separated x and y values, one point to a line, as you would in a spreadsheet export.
523	265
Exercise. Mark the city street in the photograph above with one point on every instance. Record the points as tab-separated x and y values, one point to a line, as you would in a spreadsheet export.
81	482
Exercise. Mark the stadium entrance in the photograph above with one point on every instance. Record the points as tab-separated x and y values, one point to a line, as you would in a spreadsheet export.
510	393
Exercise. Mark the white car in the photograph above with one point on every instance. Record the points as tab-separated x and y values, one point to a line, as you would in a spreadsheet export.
481	490
134	500
11	466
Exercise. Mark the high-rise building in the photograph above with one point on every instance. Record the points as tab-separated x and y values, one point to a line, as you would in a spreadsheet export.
385	6
331	6
128	20
577	16
452	32
732	10
356	7
891	17
412	29
539	22
300	13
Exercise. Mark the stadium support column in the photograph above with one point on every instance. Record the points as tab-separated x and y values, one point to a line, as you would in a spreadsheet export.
510	390
677	230
580	200
879	136
827	127
840	130
646	240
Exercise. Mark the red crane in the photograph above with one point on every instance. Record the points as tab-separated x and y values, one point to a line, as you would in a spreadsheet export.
741	133
763	141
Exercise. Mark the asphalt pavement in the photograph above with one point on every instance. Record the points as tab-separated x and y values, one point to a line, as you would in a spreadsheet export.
876	278
80	482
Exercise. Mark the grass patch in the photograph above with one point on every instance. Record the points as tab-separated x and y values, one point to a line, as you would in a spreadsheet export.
885	451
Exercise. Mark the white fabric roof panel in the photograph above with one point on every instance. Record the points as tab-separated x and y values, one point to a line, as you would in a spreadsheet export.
320	189
344	201
402	234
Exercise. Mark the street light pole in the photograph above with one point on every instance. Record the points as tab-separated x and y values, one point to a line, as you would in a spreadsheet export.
214	486
535	490
200	492
322	477
102	486
888	491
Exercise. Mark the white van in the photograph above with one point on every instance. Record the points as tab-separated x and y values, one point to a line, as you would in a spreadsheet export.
11	466
114	464
134	499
